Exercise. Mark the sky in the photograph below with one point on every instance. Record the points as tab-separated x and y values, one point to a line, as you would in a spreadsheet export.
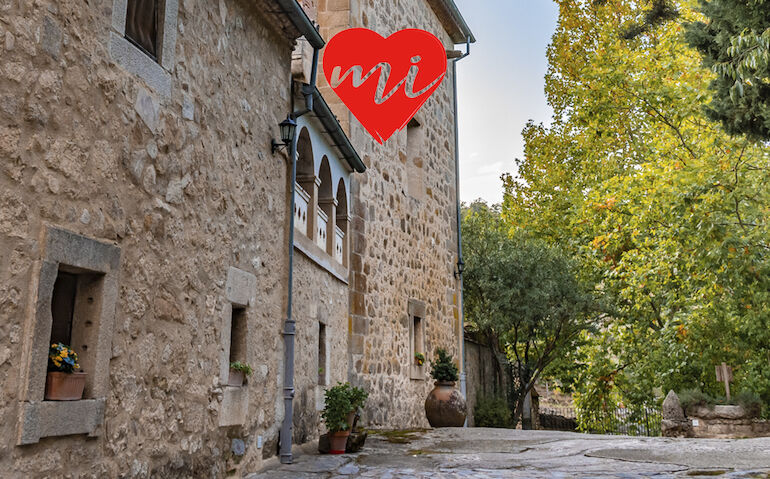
500	87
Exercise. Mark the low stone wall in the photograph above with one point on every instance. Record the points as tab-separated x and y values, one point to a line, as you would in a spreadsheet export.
726	422
717	422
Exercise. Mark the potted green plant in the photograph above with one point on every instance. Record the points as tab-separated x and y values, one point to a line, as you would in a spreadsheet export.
63	382
238	373
445	406
419	358
340	405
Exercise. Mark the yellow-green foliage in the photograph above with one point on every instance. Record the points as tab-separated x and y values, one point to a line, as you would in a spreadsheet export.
665	212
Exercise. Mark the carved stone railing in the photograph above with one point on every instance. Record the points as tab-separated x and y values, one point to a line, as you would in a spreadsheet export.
339	241
301	201
320	229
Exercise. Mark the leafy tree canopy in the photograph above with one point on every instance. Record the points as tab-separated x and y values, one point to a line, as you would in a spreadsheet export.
665	212
522	295
735	42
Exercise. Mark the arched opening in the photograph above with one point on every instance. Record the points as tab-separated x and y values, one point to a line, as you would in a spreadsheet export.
341	229
326	208
306	188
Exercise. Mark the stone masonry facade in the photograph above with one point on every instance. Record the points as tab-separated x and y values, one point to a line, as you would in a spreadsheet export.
404	230
153	184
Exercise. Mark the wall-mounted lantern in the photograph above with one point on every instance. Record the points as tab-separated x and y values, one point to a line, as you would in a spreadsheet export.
288	129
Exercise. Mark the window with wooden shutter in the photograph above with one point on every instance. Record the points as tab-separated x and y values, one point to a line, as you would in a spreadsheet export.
142	25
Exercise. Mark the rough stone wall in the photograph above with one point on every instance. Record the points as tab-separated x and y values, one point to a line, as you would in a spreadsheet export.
403	243
186	187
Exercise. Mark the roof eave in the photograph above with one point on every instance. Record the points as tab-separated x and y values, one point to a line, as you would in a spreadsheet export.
333	127
302	22
452	20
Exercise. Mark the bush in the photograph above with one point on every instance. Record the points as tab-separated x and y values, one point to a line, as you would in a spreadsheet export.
749	400
695	397
492	411
443	369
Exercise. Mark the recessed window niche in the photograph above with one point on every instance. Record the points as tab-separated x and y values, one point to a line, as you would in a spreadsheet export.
238	332
323	370
416	313
76	290
240	297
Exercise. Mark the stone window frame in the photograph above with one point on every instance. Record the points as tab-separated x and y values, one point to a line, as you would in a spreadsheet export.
416	309
240	292
39	418
157	74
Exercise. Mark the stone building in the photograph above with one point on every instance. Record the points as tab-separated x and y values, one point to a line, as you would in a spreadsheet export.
145	220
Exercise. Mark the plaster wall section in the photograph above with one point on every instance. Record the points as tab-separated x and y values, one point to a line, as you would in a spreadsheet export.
185	185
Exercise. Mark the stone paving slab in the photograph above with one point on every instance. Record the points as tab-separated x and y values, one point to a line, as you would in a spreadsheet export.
456	453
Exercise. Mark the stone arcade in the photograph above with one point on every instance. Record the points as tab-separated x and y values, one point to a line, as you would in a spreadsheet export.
137	177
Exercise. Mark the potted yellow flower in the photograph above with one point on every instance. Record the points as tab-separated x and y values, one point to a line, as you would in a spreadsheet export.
63	382
419	358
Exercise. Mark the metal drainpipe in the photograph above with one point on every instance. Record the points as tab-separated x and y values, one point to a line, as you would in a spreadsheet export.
459	224
289	326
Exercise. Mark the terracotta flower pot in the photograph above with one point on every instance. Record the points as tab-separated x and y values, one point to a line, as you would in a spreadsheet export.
445	406
61	386
235	378
338	441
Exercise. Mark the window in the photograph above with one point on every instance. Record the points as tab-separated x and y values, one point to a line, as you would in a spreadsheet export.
143	38
306	194
327	209
142	25
416	312
238	335
75	314
76	293
418	337
63	307
341	230
322	367
240	296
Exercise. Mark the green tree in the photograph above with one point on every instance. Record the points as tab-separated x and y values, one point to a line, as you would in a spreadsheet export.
522	296
661	208
735	43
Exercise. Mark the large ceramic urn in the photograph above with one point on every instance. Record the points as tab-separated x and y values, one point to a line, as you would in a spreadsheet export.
445	406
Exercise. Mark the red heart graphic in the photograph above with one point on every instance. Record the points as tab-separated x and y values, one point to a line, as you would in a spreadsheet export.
384	81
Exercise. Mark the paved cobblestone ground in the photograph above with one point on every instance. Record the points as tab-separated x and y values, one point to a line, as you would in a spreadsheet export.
503	453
